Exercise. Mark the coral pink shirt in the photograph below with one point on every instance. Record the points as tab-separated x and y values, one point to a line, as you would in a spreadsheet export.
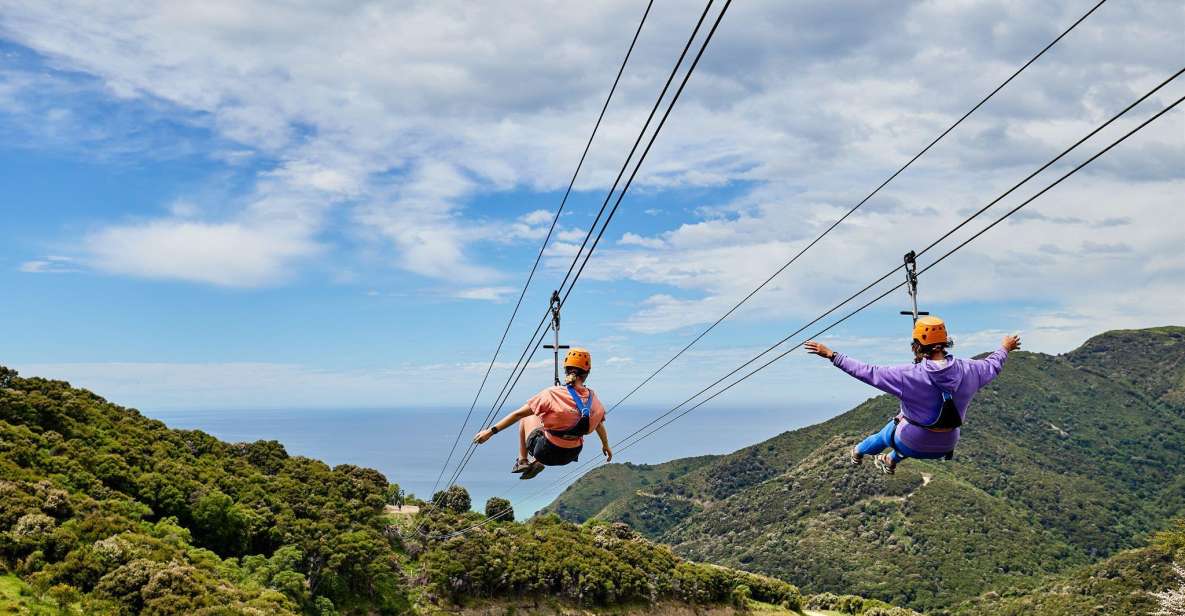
557	410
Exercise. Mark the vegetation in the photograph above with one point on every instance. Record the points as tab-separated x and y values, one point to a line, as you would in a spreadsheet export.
1064	462
596	564
455	499
857	606
499	508
104	505
1121	584
104	511
17	598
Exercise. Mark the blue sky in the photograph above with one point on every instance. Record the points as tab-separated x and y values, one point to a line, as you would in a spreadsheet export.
235	205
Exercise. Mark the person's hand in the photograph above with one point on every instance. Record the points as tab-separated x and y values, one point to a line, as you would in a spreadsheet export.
483	436
608	453
818	348
1011	343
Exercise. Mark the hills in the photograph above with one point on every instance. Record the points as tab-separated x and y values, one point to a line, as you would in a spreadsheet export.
1120	584
104	511
1066	460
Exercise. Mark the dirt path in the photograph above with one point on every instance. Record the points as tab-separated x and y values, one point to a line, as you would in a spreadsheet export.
405	510
677	497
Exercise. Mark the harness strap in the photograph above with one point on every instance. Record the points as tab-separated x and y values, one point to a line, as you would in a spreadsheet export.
580	428
581	405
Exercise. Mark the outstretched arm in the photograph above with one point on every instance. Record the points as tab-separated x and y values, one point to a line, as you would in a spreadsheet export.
885	378
502	424
989	367
605	449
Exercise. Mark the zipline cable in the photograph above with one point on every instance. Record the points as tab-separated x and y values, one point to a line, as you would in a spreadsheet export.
543	247
870	195
920	272
630	180
861	308
500	400
534	345
523	362
922	252
637	168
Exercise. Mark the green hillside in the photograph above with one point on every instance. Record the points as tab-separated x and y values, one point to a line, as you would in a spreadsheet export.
1064	461
1120	584
104	511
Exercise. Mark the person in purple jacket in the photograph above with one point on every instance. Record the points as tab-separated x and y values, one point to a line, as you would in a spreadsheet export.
935	392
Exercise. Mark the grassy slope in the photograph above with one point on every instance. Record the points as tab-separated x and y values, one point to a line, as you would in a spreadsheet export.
16	598
584	499
1117	585
1064	461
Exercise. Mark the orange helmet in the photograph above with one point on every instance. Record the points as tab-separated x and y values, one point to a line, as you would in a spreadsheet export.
930	330
579	358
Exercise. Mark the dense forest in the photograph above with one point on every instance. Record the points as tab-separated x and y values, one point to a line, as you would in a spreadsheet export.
1066	461
105	511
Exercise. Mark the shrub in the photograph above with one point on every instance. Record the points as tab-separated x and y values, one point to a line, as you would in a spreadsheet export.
741	596
499	508
455	499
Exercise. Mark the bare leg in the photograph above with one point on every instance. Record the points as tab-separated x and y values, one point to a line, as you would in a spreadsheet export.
522	440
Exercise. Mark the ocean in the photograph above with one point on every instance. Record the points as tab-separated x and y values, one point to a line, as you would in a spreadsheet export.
409	446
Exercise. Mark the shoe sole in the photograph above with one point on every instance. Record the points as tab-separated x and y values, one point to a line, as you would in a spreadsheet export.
884	468
530	473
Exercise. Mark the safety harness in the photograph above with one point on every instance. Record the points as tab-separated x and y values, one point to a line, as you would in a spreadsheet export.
948	419
580	428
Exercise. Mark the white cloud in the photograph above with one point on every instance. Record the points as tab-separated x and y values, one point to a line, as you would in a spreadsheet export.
537	217
489	294
228	254
633	239
375	110
53	264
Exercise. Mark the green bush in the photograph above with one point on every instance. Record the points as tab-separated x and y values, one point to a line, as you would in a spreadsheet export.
455	499
741	596
499	508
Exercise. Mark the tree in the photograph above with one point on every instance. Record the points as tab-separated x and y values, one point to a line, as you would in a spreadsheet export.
395	495
454	499
65	596
6	376
499	508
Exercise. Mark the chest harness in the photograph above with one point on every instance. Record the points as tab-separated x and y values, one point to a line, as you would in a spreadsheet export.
580	428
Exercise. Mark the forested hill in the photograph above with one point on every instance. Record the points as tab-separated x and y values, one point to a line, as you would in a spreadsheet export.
1065	461
104	511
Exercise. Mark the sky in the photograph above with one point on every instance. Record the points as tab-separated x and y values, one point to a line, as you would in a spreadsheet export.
249	205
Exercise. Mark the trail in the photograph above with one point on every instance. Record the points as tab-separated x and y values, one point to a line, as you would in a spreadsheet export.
406	510
677	497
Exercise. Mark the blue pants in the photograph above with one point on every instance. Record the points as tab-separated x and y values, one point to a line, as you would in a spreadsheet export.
880	441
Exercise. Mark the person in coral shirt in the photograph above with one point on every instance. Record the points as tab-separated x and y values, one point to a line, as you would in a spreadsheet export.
554	422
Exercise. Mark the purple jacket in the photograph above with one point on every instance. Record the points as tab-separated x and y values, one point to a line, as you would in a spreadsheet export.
917	386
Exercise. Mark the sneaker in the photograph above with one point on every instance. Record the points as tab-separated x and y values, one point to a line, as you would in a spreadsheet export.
856	457
885	463
535	468
520	466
